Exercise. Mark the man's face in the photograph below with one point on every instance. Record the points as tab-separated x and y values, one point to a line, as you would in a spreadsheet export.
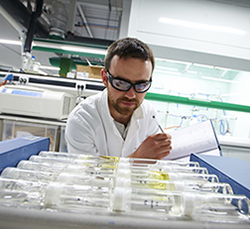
123	103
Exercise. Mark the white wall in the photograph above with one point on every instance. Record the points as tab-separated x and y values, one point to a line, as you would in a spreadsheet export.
185	43
241	95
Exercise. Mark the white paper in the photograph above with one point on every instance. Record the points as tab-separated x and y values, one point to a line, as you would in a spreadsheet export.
198	138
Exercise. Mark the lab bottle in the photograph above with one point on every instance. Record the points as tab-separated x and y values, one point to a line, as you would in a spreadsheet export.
208	206
21	198
38	176
37	166
22	185
77	198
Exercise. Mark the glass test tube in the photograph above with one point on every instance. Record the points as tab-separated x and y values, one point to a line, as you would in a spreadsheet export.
143	162
79	156
31	175
21	198
216	205
177	185
84	179
69	160
77	198
22	185
171	176
43	166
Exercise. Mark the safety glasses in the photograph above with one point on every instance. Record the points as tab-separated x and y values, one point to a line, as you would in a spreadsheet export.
123	85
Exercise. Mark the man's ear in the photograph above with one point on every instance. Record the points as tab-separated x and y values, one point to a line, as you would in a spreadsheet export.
104	77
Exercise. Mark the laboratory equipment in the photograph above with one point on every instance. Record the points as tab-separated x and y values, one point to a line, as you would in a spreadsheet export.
35	102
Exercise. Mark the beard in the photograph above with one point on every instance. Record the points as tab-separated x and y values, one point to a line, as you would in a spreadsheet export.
117	105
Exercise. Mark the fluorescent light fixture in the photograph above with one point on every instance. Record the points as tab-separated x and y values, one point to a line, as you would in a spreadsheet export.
10	42
71	48
167	68
203	65
168	72
173	61
191	72
224	69
83	49
49	67
201	26
220	80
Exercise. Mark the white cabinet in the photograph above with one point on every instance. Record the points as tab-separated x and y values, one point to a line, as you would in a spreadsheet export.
194	30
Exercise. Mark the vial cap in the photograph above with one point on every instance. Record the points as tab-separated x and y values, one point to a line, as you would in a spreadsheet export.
52	194
120	199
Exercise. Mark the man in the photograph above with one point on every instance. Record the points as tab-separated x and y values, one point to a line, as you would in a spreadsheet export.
118	121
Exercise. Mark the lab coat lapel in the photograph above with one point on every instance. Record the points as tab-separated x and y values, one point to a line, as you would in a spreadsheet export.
114	140
134	126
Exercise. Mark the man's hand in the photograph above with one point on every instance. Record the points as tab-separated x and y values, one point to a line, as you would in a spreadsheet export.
155	146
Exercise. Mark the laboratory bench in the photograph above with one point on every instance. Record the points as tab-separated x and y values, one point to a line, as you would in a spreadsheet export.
17	218
235	147
15	150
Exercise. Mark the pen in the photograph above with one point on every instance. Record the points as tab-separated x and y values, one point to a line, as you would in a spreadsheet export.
158	124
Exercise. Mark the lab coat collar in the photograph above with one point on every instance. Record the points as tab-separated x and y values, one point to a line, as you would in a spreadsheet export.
134	125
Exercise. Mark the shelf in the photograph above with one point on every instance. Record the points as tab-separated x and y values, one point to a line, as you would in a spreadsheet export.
67	47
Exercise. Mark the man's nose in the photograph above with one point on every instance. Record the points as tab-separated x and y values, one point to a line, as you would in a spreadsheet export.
131	93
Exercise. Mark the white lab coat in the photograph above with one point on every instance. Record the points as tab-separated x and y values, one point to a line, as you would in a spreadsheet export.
91	130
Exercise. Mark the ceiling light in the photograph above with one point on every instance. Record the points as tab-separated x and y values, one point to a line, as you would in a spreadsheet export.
167	68
10	42
83	49
70	48
224	69
201	26
191	72
203	65
173	61
220	80
168	72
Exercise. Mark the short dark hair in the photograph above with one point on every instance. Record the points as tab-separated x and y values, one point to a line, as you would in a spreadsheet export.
129	47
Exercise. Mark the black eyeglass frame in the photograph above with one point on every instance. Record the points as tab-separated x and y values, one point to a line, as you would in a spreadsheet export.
110	79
